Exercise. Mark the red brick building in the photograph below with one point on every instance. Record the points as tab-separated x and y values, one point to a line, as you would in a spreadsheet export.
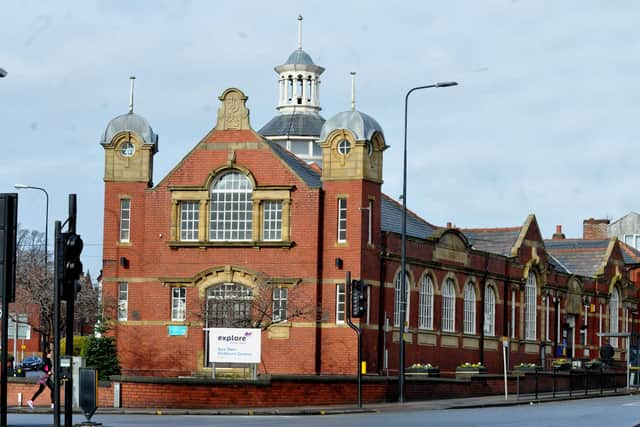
243	233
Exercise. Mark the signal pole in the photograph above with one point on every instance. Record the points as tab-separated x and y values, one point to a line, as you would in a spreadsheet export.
68	269
70	291
349	301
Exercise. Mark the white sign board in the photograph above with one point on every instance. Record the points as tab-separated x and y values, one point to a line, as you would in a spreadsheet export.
234	345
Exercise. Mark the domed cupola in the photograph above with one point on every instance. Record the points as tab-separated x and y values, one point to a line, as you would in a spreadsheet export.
129	143
298	124
352	144
361	125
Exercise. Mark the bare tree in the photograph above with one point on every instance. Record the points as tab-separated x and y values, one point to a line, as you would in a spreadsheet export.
34	287
236	306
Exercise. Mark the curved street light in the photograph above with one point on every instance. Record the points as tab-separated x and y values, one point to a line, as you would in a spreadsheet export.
403	256
46	224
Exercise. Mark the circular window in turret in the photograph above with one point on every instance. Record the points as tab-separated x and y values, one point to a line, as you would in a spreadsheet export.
344	147
127	149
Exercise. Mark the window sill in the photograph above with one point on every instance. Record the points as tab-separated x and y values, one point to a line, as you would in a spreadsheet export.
244	244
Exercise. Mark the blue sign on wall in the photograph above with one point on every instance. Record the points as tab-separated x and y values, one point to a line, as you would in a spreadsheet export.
177	330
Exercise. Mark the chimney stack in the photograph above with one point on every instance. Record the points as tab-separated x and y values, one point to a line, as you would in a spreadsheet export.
558	235
595	229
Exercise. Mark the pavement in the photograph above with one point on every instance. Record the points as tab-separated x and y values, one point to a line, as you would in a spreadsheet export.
441	404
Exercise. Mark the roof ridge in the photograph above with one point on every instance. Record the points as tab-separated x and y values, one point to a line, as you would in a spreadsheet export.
489	230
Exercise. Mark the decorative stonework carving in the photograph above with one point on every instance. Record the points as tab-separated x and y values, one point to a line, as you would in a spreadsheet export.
233	113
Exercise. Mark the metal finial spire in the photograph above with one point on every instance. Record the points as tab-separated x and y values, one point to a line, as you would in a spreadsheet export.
353	91
300	31
132	78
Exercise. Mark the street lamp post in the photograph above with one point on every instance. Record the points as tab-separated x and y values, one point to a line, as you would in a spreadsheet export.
403	255
46	233
46	224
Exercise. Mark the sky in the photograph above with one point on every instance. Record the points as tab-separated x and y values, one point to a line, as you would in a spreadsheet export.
544	119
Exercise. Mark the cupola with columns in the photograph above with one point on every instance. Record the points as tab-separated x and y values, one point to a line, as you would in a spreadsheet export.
298	124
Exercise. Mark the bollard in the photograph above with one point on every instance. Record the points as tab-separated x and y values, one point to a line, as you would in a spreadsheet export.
19	398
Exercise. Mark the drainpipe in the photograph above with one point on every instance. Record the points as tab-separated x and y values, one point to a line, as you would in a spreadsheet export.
381	301
484	296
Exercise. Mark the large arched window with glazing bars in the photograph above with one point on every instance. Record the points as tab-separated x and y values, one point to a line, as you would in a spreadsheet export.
425	317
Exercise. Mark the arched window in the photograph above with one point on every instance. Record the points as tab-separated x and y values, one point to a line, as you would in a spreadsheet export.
231	208
469	309
396	311
489	312
530	297
425	318
614	309
449	306
228	306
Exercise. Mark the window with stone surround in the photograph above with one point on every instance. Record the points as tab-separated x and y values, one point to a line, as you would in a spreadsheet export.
342	220
614	310
530	307
189	220
340	303
489	311
449	306
125	220
229	306
469	309
280	298
236	212
123	301
178	304
397	303
425	318
230	209
272	220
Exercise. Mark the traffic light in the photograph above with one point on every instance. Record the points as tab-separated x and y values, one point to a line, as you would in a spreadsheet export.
358	298
69	264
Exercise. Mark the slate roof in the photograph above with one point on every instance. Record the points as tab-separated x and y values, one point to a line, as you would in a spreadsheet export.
301	124
630	254
391	220
578	256
310	176
494	240
558	265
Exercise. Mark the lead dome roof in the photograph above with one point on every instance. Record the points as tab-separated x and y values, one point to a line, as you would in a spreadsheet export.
130	122
299	56
362	125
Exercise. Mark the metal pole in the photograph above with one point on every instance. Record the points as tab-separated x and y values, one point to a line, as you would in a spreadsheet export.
56	324
348	299
68	385
403	253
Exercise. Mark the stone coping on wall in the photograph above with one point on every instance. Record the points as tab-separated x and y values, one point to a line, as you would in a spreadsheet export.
268	379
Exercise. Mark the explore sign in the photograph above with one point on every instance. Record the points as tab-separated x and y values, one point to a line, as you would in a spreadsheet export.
234	345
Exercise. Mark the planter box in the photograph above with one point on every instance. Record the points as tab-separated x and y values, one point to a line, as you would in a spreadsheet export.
562	366
427	372
527	369
466	373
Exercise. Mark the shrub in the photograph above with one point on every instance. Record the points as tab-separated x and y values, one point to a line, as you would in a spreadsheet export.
79	342
101	354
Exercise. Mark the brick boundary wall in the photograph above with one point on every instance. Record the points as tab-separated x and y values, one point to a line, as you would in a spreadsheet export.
282	391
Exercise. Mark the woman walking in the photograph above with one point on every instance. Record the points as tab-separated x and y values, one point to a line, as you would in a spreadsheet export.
45	379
